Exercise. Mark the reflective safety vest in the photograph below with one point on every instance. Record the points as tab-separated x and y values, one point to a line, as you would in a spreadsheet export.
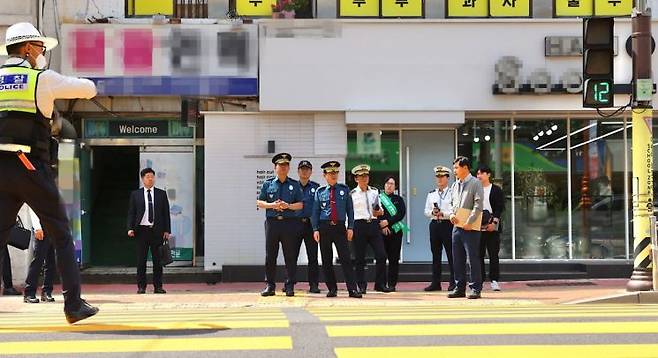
21	122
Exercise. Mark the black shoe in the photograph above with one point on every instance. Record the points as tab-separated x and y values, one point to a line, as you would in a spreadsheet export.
362	289
332	293
382	289
10	292
85	311
452	287
159	290
314	288
355	294
457	293
474	294
268	291
30	299
391	289
290	292
141	291
433	287
47	297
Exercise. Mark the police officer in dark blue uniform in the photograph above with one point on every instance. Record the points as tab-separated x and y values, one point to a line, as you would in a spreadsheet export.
304	170
281	196
332	205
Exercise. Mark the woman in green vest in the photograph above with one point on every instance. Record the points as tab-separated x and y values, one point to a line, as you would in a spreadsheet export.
392	228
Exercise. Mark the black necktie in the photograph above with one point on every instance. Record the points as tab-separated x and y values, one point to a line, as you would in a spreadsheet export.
150	199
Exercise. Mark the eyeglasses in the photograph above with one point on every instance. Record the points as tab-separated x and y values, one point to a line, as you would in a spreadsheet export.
43	48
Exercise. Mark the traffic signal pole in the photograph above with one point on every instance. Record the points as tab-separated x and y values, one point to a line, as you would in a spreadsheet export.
642	148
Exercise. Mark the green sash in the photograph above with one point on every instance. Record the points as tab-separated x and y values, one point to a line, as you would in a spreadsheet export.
392	210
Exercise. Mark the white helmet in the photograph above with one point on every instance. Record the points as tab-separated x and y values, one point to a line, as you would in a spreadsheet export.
23	32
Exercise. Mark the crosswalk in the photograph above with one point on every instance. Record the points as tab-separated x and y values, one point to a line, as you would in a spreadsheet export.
492	331
360	329
35	333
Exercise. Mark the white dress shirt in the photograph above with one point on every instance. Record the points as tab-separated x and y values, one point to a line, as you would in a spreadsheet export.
486	205
52	86
145	218
443	198
29	218
363	202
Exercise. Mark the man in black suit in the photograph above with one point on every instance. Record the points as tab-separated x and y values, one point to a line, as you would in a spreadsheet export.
149	222
494	205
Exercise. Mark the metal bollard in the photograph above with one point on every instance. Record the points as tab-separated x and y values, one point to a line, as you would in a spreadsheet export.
654	252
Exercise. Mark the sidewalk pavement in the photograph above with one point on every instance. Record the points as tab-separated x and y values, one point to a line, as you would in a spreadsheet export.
226	295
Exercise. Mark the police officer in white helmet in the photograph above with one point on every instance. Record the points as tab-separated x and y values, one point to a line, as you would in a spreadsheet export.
27	95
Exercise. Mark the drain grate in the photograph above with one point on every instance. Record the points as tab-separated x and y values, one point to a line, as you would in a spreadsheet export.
560	284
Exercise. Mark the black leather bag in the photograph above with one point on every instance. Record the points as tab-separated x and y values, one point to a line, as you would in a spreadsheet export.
165	253
19	236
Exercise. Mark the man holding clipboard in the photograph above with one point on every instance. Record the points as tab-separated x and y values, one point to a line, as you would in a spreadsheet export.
466	216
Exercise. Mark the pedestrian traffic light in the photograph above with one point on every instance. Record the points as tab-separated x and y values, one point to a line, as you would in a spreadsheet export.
598	62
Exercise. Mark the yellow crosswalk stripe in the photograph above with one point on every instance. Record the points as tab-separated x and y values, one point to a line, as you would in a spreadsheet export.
136	325
453	317
148	345
488	308
506	351
475	311
492	329
154	317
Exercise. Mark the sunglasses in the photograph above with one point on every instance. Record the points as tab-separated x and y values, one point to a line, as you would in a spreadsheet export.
43	48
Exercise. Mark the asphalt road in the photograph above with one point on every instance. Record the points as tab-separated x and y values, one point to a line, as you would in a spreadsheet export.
406	325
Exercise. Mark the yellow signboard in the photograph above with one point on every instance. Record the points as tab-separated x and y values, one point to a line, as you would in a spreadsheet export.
403	8
571	8
613	7
510	8
467	8
254	7
358	8
150	7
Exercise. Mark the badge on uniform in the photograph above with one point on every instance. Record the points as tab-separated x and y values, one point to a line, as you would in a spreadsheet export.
290	187
342	193
312	190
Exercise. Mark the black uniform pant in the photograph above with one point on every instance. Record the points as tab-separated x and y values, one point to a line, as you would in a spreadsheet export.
393	245
441	238
38	189
336	235
6	269
147	239
490	241
44	257
306	236
368	233
286	232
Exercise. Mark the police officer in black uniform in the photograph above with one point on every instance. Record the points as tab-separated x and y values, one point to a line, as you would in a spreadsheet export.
27	96
304	170
332	205
281	196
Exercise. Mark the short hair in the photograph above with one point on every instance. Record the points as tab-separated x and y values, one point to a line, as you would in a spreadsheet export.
146	171
484	169
391	177
462	161
15	49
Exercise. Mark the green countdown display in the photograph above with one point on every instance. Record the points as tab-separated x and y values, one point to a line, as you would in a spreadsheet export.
599	93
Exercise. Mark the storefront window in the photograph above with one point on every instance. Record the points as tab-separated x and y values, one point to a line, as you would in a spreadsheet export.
597	182
541	192
379	149
489	143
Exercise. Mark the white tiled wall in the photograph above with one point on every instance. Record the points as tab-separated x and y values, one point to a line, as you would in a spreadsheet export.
235	149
